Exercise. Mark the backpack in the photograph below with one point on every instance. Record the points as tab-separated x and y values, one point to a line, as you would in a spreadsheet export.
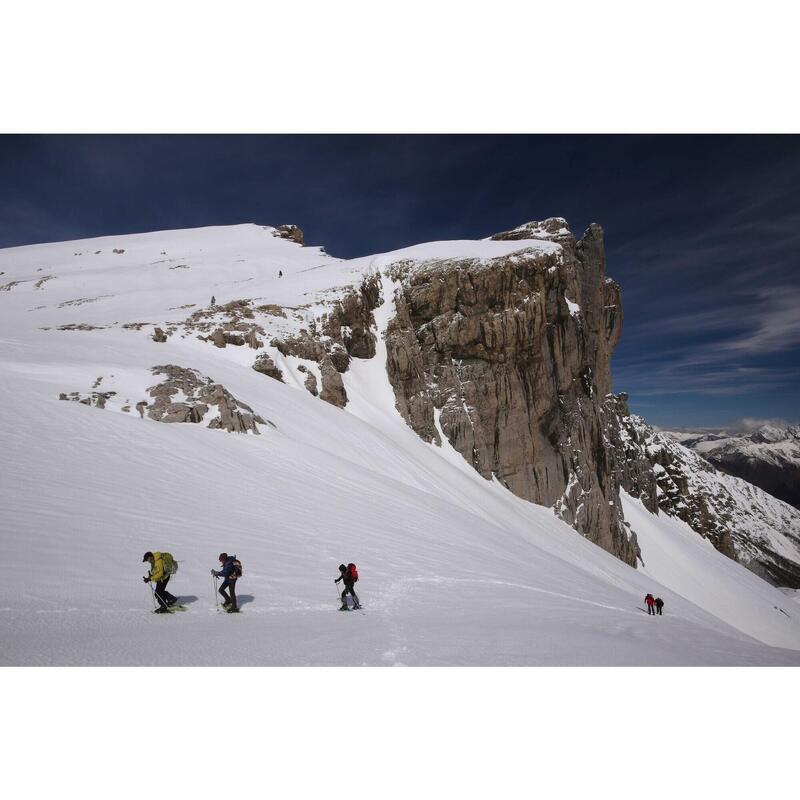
170	564
352	572
237	568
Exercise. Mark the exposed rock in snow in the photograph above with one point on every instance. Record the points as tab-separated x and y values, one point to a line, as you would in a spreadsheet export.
333	390
290	232
199	393
554	229
311	380
266	366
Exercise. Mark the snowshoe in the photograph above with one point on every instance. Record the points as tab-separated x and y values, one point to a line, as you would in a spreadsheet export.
345	607
233	609
162	610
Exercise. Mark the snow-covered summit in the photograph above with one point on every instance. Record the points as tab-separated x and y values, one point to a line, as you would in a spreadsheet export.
552	228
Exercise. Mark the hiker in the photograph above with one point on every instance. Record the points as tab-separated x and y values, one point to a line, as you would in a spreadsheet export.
659	606
280	273
162	567
650	602
213	300
231	570
349	574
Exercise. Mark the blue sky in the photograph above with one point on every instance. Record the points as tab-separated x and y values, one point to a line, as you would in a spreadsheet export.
702	232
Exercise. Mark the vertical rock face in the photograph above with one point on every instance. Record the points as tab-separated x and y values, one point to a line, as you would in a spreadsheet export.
509	358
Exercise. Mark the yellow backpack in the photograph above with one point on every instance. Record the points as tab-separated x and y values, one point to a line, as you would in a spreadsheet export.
170	564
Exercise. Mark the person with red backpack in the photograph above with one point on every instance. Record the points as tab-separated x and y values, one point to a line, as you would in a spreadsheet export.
349	574
650	602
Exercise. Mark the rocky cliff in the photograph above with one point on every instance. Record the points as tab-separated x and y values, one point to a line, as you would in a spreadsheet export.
509	359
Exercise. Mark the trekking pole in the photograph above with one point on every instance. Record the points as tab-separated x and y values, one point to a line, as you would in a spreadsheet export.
214	589
152	592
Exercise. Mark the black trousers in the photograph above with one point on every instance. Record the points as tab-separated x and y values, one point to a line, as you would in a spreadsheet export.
162	595
658	610
230	585
348	587
651	610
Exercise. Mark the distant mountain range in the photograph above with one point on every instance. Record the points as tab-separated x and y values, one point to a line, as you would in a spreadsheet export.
768	457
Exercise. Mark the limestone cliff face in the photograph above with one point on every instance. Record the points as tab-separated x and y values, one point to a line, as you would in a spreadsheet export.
509	358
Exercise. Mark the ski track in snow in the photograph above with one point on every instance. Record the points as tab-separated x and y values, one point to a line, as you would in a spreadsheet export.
454	569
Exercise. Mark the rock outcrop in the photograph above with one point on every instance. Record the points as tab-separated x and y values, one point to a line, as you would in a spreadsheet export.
351	322
198	394
333	390
290	232
346	331
310	382
510	359
266	366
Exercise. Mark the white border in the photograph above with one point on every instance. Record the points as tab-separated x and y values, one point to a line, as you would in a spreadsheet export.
413	67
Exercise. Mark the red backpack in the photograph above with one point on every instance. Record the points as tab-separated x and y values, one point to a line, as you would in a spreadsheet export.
352	572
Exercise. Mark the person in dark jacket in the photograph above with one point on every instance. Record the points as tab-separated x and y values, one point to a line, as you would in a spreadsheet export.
160	573
348	587
650	602
659	606
228	572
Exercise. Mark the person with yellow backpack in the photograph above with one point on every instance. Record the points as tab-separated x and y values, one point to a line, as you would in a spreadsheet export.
162	567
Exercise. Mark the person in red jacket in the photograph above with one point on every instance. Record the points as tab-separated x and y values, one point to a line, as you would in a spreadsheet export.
650	602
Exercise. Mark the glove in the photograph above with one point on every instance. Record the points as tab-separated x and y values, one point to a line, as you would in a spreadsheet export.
146	579
214	573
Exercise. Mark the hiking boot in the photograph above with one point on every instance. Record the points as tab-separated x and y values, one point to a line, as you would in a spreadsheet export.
233	609
162	610
344	608
357	606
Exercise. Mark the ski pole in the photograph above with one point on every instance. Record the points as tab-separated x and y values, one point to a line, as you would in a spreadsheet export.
152	592
214	589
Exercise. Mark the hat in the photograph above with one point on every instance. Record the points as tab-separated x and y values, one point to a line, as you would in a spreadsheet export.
147	556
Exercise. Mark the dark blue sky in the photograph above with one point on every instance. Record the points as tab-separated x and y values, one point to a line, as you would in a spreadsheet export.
702	232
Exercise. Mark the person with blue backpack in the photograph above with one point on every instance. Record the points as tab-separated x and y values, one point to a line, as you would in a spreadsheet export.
231	571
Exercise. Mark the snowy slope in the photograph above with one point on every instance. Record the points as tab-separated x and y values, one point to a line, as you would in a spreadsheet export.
454	569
